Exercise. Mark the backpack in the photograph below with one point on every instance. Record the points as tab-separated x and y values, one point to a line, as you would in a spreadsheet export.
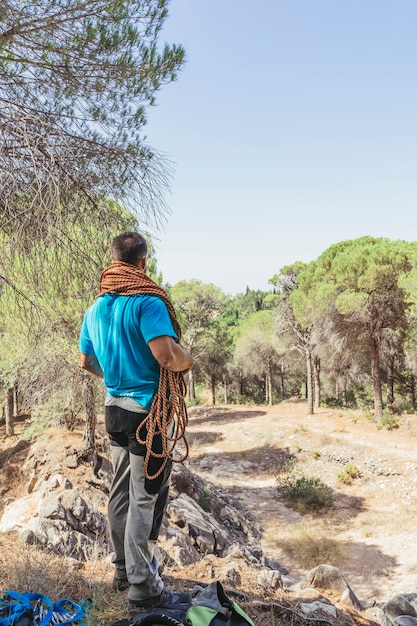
210	607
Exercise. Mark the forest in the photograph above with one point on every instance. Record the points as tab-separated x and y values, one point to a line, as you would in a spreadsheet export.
338	331
77	81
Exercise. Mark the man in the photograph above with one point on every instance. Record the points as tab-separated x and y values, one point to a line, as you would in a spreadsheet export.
129	337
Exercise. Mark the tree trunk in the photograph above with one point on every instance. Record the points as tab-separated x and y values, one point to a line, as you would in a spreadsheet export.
269	384
390	380
89	435
9	411
344	392
376	379
15	401
317	384
309	384
191	385
413	391
213	389
241	390
282	381
225	396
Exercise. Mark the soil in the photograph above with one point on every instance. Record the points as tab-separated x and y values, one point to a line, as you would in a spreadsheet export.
372	519
243	449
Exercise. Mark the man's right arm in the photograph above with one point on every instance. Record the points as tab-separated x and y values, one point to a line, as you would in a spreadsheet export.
170	355
89	363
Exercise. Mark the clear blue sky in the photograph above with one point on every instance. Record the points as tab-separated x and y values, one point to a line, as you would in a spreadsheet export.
291	127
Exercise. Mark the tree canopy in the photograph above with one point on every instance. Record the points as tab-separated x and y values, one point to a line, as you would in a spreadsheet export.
361	281
76	79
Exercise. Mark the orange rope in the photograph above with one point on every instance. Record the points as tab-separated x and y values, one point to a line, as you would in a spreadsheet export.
166	409
168	405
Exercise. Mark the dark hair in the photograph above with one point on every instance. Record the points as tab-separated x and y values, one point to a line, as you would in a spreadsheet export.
129	247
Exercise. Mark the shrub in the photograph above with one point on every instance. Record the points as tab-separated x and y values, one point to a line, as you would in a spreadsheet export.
204	499
364	399
349	473
388	421
331	402
304	494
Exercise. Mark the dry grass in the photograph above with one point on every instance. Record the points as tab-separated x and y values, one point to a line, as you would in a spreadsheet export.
311	546
29	569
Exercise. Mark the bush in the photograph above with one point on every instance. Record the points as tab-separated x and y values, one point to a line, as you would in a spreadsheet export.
204	499
194	402
332	403
365	399
388	421
349	473
304	494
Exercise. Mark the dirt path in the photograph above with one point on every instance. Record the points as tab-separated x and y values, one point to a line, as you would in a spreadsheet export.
372	522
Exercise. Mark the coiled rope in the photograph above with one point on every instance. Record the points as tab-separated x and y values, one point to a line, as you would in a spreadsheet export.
168	410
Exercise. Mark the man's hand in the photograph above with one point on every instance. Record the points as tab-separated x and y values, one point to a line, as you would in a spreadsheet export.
170	355
89	362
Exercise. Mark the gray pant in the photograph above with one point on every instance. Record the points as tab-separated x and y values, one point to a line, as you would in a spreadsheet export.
135	517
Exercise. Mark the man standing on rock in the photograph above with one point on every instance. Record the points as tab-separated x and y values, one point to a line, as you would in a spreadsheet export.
129	337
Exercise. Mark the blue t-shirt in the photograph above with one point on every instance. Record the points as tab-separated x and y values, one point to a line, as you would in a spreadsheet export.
117	330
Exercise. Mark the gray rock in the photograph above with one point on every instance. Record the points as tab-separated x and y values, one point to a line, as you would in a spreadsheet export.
208	535
50	507
317	608
231	576
275	565
180	547
71	461
400	605
270	580
28	537
329	577
66	523
405	620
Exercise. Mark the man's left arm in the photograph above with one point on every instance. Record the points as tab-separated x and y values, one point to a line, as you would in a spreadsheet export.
170	355
158	332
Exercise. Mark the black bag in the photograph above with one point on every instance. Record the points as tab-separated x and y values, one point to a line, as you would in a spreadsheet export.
209	607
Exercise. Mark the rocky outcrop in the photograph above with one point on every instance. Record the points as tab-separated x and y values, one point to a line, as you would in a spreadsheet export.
56	517
71	521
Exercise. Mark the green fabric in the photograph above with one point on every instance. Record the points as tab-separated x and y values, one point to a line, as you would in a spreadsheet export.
201	615
242	613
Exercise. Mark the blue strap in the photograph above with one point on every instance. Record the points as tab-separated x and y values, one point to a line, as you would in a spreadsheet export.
45	613
72	611
13	617
13	614
41	605
12	611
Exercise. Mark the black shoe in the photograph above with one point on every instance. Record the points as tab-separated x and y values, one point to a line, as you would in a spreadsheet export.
120	584
167	599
